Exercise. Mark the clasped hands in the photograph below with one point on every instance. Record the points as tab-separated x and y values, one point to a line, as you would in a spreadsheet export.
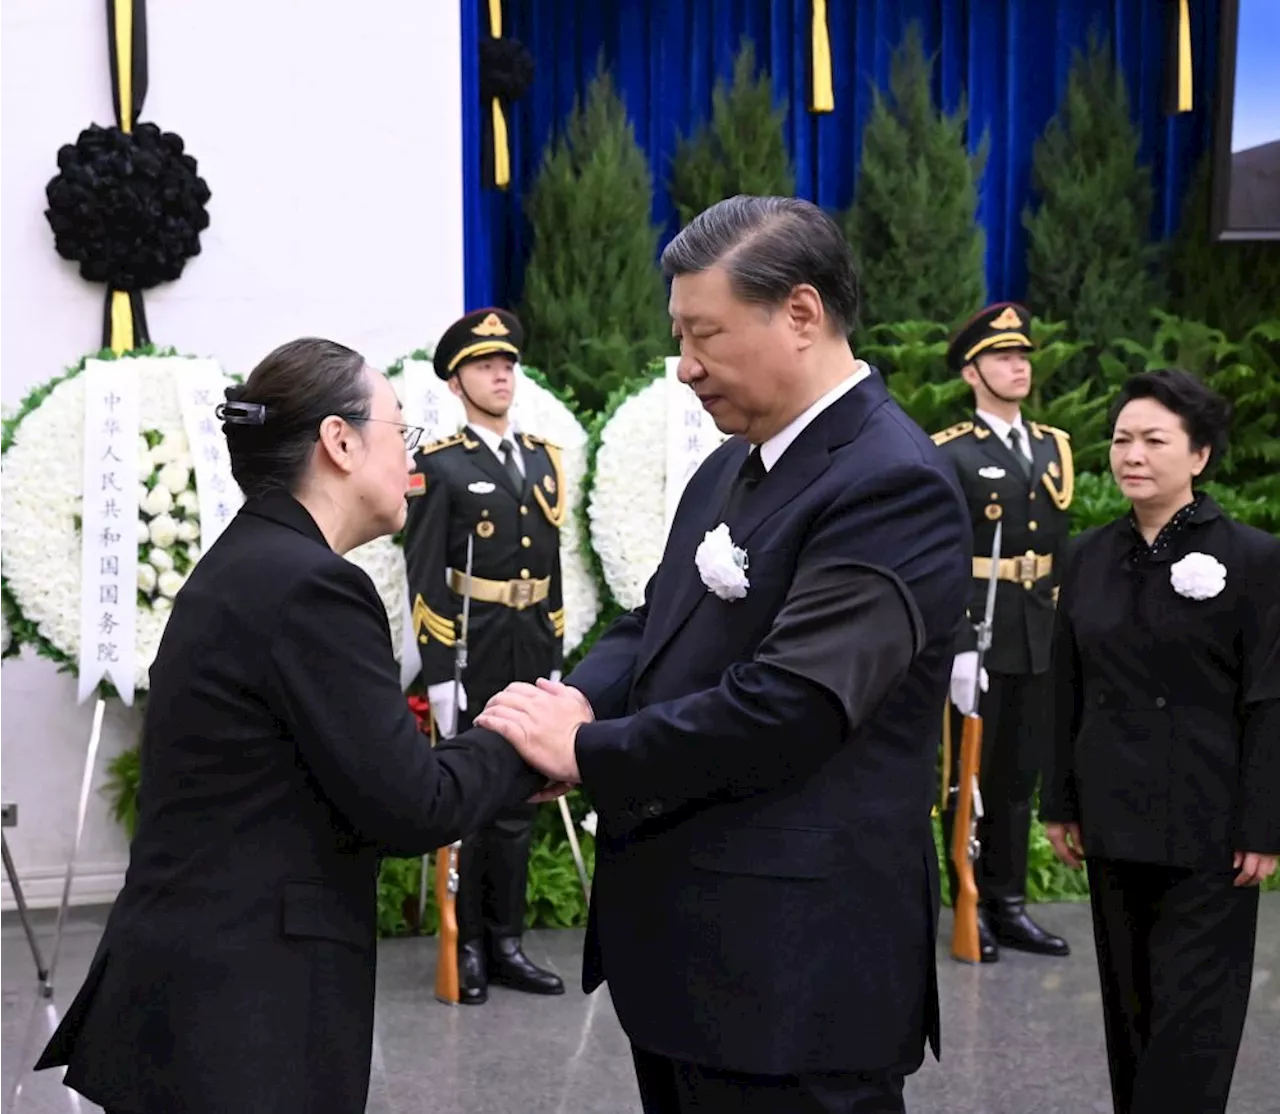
541	721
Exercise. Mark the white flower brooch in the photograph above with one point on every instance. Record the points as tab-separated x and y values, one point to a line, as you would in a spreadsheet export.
1198	576
722	565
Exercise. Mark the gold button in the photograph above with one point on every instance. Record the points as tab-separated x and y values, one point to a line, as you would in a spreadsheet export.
526	542
524	510
1032	495
1031	526
484	513
524	574
995	495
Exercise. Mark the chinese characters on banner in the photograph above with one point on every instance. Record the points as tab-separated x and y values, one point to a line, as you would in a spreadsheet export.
201	387
109	528
691	437
428	402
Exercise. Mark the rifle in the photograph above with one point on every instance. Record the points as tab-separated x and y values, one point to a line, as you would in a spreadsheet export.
447	990
965	945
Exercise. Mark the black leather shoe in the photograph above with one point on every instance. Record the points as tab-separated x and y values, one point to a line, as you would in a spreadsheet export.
987	947
473	983
509	966
1014	929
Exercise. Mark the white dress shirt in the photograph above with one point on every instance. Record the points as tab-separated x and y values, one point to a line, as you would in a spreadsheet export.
494	442
771	451
1001	429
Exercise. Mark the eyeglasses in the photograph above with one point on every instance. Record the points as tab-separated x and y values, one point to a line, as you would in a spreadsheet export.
412	434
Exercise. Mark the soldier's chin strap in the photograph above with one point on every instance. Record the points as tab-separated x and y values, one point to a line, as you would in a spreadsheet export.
978	372
495	415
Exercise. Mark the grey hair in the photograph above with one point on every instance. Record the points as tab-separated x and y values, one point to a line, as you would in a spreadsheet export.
769	246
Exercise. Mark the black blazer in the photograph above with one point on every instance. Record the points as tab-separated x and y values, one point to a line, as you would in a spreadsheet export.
1167	736
766	883
279	759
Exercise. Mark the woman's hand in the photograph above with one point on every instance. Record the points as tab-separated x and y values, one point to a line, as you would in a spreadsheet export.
1254	866
1067	843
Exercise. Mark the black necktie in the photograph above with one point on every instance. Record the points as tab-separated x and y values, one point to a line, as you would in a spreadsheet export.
1015	443
509	463
750	474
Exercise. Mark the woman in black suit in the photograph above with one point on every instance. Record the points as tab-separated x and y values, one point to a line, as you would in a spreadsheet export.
279	762
1166	771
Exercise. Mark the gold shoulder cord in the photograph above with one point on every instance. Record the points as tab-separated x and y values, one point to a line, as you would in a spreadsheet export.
555	515
1061	493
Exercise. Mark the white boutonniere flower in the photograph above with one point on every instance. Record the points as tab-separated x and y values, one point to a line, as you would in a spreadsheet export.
722	565
1198	576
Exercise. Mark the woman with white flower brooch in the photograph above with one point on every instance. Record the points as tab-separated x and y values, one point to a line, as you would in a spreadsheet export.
1166	768
279	762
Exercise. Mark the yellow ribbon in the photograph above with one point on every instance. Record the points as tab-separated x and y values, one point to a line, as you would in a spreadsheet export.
824	98
123	12
501	149
122	331
1184	57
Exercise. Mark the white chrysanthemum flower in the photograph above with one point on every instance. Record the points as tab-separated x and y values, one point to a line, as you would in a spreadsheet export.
176	477
159	501
170	583
188	530
41	508
164	532
628	503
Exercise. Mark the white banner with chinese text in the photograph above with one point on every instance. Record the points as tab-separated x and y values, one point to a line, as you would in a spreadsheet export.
428	402
109	528
691	437
201	387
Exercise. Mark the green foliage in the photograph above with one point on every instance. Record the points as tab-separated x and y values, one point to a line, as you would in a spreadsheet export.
911	355
594	301
1245	372
124	772
742	150
913	225
1231	285
1090	258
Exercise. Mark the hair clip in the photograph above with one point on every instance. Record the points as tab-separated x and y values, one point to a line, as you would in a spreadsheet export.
241	413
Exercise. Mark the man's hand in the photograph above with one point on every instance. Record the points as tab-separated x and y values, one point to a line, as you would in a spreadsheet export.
1068	844
540	721
963	676
1254	867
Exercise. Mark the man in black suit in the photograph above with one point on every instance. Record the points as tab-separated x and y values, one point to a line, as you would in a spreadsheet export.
761	754
504	491
1018	474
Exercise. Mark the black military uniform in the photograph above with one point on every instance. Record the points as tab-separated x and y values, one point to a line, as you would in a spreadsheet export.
1031	499
461	490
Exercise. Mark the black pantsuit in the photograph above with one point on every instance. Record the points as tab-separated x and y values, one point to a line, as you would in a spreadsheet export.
1167	754
1175	957
670	1086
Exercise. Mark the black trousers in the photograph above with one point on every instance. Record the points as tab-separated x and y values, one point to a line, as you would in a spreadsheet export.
493	862
1175	957
673	1086
1015	720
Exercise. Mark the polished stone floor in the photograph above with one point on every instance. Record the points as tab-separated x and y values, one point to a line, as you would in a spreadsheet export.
1021	1037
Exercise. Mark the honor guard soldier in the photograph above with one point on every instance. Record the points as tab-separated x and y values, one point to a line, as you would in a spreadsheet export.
1020	474
503	491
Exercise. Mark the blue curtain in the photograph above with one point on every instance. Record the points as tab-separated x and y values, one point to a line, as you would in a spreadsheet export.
1010	57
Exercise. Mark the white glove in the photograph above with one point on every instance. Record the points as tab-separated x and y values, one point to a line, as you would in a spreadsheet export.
555	675
962	677
440	697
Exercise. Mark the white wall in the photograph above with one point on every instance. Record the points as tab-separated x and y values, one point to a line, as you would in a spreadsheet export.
330	136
